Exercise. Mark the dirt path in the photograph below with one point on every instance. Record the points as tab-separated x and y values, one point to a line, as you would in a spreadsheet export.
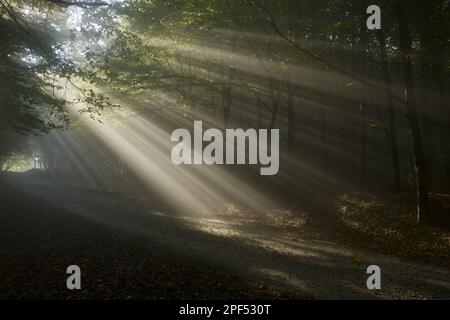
127	250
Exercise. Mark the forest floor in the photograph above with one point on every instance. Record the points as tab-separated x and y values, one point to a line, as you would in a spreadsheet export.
127	250
384	225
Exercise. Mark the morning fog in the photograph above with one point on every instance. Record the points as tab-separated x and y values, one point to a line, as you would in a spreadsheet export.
238	147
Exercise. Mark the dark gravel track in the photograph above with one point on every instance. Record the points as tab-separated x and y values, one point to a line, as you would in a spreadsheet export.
38	240
127	250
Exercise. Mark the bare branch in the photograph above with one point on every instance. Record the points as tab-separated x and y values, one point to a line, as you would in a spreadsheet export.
322	61
68	3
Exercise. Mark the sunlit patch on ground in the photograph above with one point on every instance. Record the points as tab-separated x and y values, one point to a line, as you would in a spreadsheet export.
282	218
389	225
250	230
375	222
282	276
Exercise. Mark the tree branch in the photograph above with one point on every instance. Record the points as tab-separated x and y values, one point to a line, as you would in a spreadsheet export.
68	3
322	61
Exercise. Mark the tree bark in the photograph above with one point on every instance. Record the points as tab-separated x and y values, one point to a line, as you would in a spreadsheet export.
392	120
291	120
420	167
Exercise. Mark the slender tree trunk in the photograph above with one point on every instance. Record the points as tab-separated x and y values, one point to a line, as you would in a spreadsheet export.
274	86
291	119
227	99
273	117
259	122
420	168
392	120
438	69
324	139
226	103
363	146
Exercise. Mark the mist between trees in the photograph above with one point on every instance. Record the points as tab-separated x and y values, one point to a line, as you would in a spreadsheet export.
357	109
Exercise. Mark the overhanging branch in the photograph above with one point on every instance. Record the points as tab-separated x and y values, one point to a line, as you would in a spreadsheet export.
68	3
322	61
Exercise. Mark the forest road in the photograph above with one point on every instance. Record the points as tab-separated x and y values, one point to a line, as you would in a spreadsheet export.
126	250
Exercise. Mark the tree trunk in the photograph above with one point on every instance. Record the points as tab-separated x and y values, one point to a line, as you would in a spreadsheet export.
291	120
226	103
227	96
274	86
324	140
363	145
392	132
415	134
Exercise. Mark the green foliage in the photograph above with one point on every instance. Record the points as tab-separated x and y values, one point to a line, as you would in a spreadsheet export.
37	52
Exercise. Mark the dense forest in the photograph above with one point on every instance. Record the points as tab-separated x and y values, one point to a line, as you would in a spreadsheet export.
357	109
92	91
